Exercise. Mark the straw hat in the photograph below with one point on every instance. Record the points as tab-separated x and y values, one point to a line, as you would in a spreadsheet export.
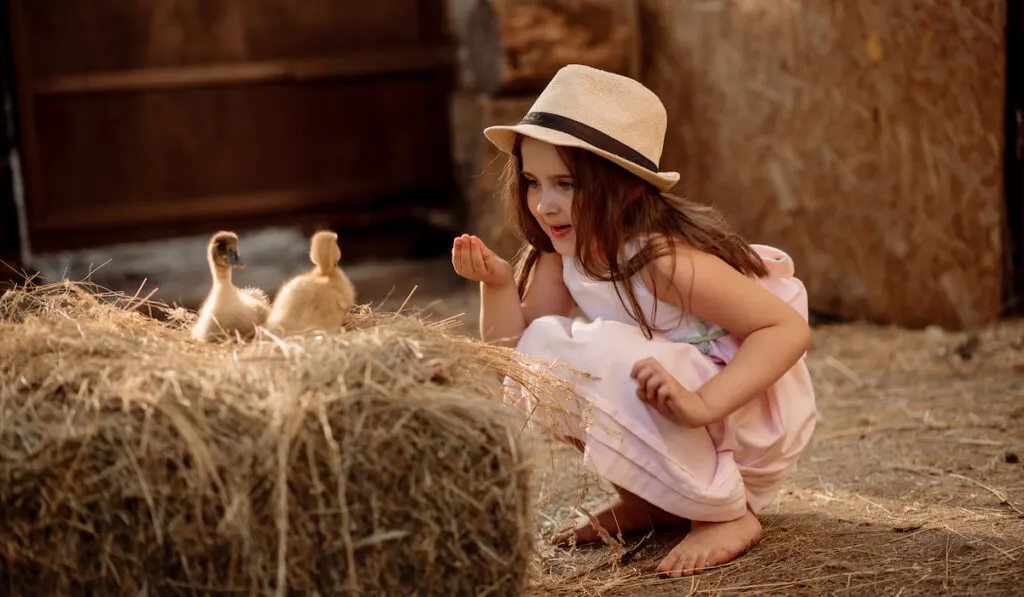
610	115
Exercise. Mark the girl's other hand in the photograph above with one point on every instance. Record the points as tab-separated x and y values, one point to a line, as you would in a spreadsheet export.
657	387
474	261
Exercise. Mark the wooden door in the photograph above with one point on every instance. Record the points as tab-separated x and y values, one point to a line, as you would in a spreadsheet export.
158	117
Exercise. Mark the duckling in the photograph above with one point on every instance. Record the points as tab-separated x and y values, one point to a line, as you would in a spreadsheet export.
228	310
319	299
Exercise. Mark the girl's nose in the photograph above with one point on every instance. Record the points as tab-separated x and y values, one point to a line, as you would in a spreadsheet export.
547	205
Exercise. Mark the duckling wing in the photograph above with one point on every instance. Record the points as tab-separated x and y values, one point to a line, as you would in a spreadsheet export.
257	301
258	294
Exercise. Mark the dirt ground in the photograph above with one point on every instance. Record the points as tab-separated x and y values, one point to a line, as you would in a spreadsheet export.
913	485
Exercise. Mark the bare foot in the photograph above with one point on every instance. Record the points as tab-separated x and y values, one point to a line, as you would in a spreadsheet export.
711	544
630	514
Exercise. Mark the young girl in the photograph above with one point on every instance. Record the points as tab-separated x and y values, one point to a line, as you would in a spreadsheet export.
701	400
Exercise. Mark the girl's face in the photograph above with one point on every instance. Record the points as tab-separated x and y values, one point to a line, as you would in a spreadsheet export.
549	193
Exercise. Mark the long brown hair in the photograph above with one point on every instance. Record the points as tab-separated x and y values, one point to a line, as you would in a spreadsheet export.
616	207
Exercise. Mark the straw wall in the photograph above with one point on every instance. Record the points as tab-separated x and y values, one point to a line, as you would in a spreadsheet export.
864	138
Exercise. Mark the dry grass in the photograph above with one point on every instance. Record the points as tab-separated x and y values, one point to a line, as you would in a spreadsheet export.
132	460
913	485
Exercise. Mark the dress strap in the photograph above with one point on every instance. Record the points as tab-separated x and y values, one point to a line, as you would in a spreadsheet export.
703	341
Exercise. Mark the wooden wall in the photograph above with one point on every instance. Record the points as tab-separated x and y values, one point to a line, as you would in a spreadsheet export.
865	138
158	117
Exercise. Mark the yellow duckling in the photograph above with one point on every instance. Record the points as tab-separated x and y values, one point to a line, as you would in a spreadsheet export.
228	310
319	299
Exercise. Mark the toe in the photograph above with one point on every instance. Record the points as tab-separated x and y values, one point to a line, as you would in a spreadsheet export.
665	566
684	568
684	565
700	563
670	564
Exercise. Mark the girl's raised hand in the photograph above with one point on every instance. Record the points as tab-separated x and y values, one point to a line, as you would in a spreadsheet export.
474	261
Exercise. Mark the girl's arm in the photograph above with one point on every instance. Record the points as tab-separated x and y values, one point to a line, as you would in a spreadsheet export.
503	318
773	336
546	293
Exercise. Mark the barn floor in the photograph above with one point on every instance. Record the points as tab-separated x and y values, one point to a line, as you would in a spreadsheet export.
914	484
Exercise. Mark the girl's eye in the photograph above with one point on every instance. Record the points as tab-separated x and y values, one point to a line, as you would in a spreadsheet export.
530	183
565	185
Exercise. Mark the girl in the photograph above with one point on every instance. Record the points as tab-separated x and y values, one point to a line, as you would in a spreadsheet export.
701	400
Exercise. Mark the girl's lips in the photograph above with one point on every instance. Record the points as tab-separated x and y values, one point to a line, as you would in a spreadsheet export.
561	231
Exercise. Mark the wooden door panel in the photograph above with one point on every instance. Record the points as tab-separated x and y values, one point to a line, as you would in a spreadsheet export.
169	115
197	145
76	36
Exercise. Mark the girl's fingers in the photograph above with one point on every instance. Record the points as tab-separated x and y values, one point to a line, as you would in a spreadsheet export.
652	388
457	255
467	257
639	366
643	374
641	391
487	253
477	255
647	378
664	404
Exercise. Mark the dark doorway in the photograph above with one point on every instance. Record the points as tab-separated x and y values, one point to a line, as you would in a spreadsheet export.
10	240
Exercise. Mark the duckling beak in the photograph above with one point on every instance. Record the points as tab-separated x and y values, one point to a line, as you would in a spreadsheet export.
234	260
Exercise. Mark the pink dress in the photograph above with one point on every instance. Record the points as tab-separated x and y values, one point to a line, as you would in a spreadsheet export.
708	474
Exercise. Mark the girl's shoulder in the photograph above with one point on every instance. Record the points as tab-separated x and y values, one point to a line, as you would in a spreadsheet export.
668	254
548	266
663	249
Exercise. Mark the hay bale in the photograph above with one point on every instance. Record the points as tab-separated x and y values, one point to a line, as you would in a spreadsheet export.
864	137
372	462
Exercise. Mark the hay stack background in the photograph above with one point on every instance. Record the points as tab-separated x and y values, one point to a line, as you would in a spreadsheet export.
370	462
865	138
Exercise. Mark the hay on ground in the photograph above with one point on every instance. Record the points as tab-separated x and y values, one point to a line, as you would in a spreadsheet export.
913	484
376	461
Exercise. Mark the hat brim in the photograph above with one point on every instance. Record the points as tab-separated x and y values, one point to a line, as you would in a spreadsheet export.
503	137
